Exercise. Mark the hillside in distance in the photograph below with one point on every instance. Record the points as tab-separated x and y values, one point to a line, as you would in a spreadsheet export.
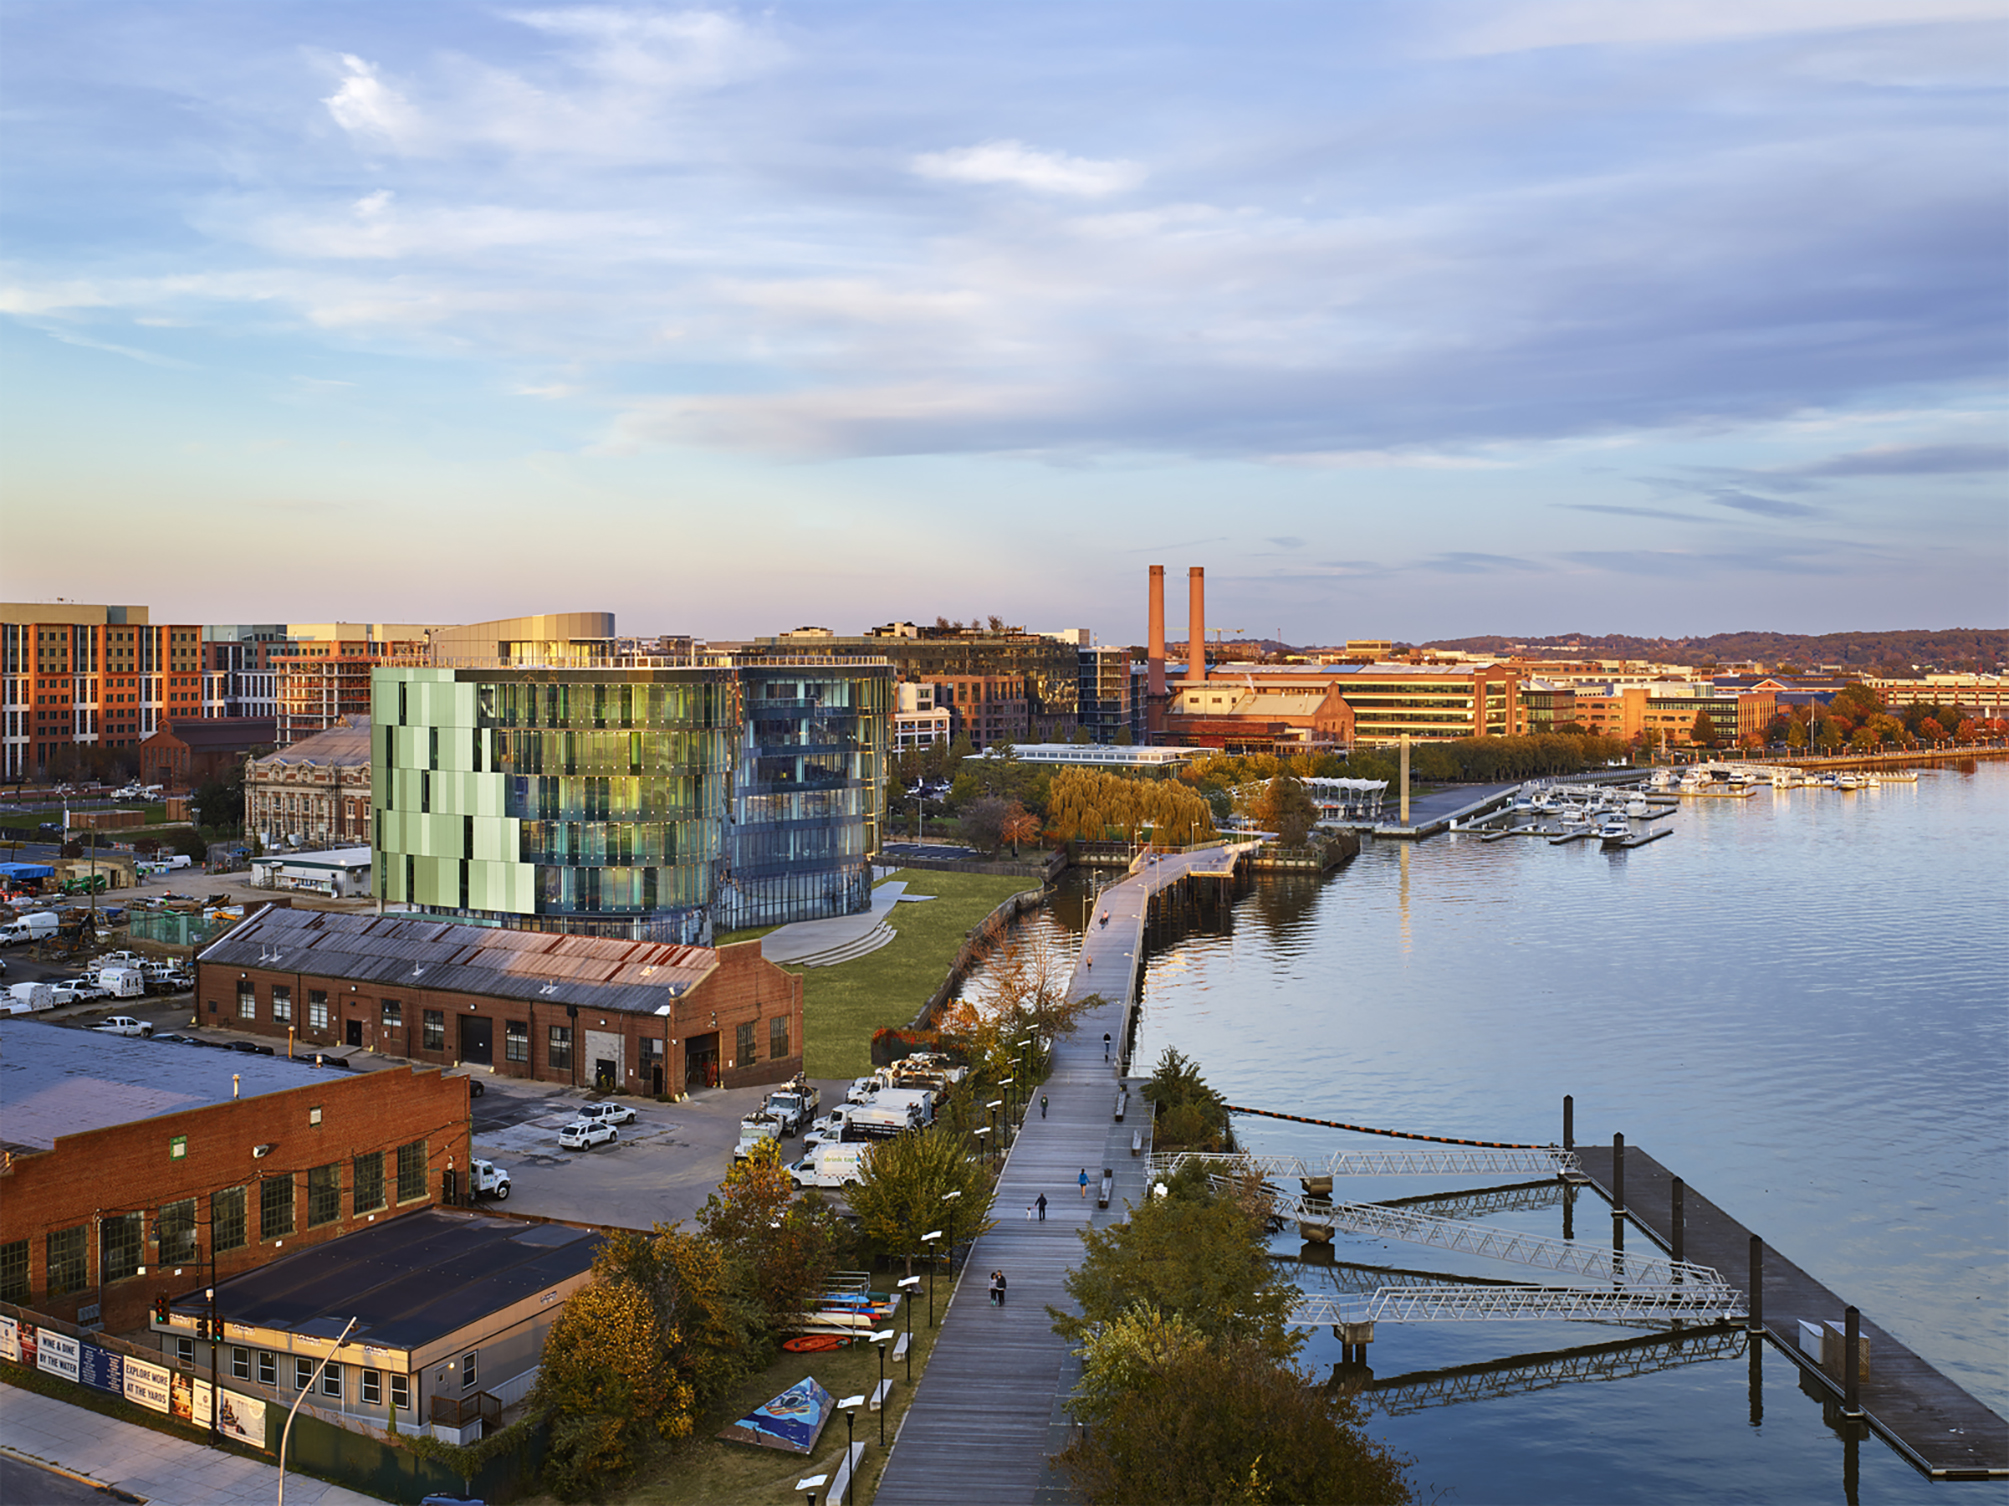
1890	653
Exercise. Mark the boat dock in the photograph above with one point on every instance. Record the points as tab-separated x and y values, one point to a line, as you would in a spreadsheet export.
1932	1421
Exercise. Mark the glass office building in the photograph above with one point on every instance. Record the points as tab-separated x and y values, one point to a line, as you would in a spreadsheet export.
652	803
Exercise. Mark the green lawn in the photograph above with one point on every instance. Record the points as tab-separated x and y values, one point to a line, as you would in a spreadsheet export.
843	1005
710	1470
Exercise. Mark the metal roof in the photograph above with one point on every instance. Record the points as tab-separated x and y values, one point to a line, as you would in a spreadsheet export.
637	977
344	746
409	1281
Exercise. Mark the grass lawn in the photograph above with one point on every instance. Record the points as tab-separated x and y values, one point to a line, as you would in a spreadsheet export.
710	1470
843	1005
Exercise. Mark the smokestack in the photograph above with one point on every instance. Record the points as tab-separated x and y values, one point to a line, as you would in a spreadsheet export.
1196	640
1154	653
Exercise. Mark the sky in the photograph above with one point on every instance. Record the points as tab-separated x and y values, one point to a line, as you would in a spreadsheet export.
1404	320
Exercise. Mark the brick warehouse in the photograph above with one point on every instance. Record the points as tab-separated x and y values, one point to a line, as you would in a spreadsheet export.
130	1163
644	1017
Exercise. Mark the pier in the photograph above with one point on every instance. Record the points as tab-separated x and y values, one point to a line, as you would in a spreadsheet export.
993	1404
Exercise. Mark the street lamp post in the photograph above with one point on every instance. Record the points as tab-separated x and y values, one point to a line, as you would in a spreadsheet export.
910	1285
949	1200
929	1239
1005	1084
984	1143
878	1342
312	1381
1004	1139
850	1404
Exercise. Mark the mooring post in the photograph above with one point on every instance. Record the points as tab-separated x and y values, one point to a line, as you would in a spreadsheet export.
1680	1244
1756	1322
1569	1210
1757	1382
1617	1176
1569	1121
1852	1338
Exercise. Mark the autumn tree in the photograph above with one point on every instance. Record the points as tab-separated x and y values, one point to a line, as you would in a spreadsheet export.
1285	807
1094	805
1019	825
785	1247
904	1186
1017	987
1703	732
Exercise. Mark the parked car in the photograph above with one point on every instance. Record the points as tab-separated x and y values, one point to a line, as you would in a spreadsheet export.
475	1086
583	1134
123	1024
607	1113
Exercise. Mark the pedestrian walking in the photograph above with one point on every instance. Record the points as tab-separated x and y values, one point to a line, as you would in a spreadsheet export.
1042	1105
994	1288
1083	1179
1105	1045
1040	1203
1001	1288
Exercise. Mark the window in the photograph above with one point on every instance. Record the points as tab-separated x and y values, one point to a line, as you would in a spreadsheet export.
268	1368
14	1271
282	1004
324	1195
467	1376
516	1040
121	1246
68	1255
275	1207
331	1381
184	1351
435	1030
317	1009
393	1015
240	1362
401	1392
743	1047
411	1171
177	1233
558	1052
369	1184
247	1002
373	1389
226	1208
303	1373
777	1037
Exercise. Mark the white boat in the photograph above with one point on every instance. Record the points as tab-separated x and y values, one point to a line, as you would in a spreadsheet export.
1638	808
1869	779
1614	833
1847	782
1659	779
1783	779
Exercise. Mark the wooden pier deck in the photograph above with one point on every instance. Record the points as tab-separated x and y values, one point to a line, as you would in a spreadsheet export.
992	1406
1932	1421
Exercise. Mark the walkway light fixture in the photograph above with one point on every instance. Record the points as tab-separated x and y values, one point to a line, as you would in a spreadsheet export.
850	1404
910	1285
878	1341
929	1239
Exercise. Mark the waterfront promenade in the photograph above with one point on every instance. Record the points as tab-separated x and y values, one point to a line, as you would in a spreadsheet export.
992	1405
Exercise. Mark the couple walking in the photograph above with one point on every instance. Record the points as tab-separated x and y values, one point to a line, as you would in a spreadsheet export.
997	1288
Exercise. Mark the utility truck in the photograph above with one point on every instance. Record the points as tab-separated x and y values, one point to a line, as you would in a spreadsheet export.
753	1129
830	1166
486	1179
880	1121
794	1105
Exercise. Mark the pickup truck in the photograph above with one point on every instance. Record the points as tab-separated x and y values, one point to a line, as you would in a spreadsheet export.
794	1105
123	1024
753	1129
872	1121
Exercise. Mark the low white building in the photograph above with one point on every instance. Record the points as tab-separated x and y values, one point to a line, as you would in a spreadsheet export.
341	872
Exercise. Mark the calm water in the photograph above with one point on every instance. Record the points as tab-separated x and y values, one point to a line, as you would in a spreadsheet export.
1796	1003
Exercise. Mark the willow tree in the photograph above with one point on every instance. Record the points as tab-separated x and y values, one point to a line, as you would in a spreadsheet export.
1093	805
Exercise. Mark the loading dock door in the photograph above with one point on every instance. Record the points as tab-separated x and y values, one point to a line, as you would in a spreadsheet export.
477	1040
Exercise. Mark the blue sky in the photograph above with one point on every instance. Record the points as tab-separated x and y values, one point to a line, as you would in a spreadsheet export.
1404	320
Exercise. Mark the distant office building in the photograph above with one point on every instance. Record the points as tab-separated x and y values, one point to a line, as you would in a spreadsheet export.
315	793
241	678
1309	707
917	721
631	799
1110	695
77	678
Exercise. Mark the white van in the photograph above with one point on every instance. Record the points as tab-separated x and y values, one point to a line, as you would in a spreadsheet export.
28	928
831	1166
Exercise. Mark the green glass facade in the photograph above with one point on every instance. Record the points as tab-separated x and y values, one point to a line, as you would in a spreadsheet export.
658	804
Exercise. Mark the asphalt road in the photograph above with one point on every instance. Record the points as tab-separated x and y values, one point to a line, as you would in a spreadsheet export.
26	1484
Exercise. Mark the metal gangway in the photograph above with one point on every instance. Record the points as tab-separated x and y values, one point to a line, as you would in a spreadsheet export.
1443	1160
1644	1271
1718	1303
1483	1202
1400	1395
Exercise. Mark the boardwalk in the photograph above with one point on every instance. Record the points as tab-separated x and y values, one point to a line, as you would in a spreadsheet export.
992	1405
1934	1422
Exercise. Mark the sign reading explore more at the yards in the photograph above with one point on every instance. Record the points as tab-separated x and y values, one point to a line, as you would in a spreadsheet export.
147	1385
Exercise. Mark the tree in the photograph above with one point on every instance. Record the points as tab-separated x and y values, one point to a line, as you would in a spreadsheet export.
902	1193
220	802
1190	1115
1017	988
1019	825
1703	732
1285	806
785	1248
608	1388
982	821
1169	1416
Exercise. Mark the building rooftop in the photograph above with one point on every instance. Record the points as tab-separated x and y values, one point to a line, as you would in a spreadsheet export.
639	977
330	857
345	746
229	733
1096	755
58	1081
409	1280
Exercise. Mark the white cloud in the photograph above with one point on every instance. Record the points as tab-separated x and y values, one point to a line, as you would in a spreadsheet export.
365	106
681	49
1015	162
1592	23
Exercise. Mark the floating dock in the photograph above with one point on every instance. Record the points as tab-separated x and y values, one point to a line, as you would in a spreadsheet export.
1933	1422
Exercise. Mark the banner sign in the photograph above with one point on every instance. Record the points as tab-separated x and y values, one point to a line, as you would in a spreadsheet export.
10	1340
56	1353
189	1400
242	1418
146	1385
100	1369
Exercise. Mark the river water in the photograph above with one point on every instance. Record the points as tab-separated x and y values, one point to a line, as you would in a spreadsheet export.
1796	1003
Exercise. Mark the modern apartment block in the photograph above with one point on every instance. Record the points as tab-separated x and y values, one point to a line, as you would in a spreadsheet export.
322	672
1110	695
631	798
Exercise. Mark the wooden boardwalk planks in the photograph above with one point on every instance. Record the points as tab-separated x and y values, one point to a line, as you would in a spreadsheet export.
1933	1421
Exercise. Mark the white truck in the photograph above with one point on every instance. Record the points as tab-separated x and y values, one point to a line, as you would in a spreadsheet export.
831	1166
794	1105
26	998
122	982
486	1179
877	1121
922	1100
28	928
753	1129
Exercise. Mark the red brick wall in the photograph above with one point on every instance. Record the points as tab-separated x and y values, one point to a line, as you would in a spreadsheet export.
129	1167
745	988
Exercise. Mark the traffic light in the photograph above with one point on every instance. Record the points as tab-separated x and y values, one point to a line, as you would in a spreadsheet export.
160	1311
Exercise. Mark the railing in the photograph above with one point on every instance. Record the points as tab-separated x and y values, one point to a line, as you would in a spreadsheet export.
457	1412
1450	1161
1495	1304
